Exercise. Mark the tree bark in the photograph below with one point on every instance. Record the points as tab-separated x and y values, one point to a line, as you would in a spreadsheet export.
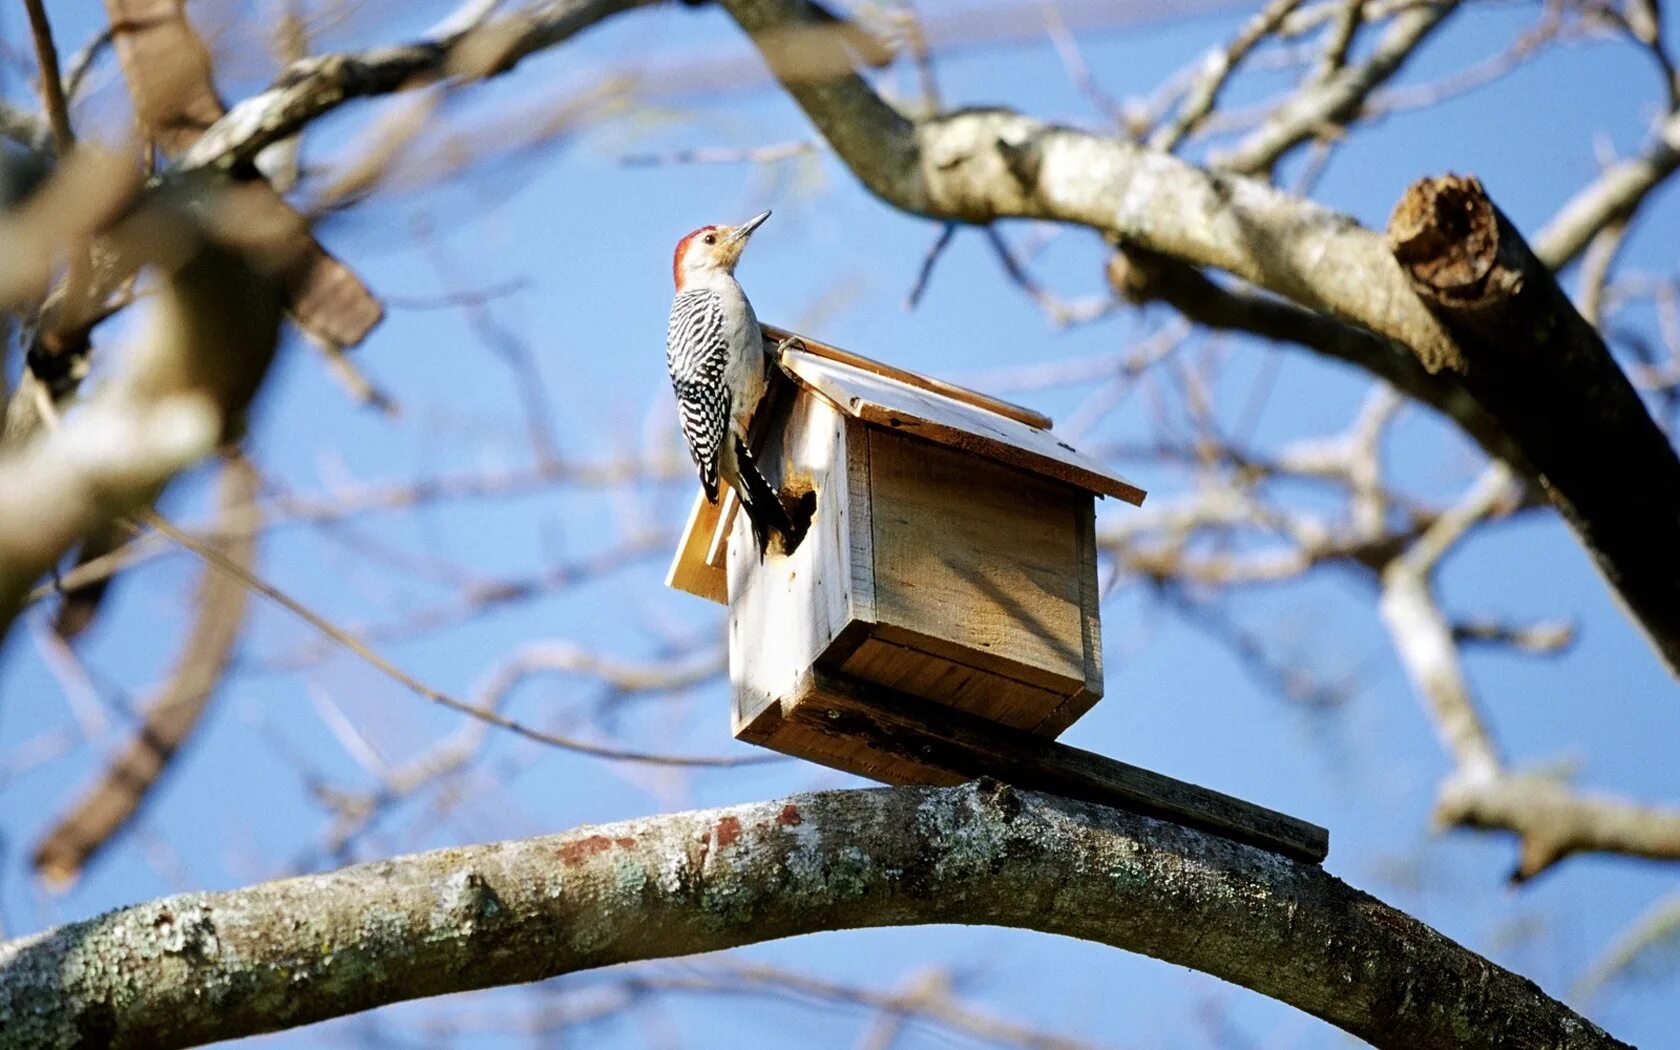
210	966
1535	364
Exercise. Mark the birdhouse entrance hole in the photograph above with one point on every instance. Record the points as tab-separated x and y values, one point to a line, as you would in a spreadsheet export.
939	618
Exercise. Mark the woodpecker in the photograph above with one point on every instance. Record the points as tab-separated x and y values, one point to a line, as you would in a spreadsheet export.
719	370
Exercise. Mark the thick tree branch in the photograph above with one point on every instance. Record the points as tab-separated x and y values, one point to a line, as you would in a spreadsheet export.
184	389
214	966
1536	364
978	165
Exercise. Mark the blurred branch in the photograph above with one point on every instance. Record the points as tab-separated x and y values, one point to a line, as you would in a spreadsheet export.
214	966
1423	637
355	811
218	615
1613	197
1322	107
1144	276
1553	820
214	334
926	1000
1338	39
167	68
52	84
1217	68
1657	929
316	86
360	649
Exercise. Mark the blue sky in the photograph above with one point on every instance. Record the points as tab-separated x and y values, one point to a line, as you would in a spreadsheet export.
589	238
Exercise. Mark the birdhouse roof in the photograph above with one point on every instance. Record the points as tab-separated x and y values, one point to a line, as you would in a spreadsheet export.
882	395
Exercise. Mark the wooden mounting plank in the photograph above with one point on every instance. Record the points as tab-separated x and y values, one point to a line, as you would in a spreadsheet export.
1038	420
835	716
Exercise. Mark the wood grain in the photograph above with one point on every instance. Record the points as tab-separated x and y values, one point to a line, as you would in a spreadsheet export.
689	571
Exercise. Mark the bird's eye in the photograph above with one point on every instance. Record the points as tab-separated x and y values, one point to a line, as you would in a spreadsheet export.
711	238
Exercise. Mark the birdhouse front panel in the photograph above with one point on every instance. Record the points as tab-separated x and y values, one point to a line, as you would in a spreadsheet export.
984	599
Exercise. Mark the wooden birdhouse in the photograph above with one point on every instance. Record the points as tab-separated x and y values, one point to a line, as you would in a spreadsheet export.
939	618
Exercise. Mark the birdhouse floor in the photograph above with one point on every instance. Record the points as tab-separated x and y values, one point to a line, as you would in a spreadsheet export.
899	739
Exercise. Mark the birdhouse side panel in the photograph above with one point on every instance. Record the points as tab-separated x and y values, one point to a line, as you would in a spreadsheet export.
787	610
982	568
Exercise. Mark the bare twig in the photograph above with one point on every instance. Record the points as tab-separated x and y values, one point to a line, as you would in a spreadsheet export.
52	84
1334	101
1613	196
1217	67
354	645
924	273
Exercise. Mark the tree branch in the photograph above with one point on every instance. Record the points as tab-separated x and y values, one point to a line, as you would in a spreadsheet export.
218	965
167	69
311	88
1536	364
1612	197
1144	276
977	165
1336	99
1553	820
185	388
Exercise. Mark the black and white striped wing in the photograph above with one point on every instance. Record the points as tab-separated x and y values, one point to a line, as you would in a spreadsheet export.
696	354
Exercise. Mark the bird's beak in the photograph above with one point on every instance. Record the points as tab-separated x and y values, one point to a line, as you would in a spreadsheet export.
743	231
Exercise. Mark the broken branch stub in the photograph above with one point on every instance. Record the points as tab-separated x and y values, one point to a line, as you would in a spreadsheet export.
1445	233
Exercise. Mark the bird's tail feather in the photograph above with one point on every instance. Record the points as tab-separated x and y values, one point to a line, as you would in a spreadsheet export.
765	510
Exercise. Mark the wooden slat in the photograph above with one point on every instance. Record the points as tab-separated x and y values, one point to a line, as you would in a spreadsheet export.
773	336
866	729
905	409
689	569
978	691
